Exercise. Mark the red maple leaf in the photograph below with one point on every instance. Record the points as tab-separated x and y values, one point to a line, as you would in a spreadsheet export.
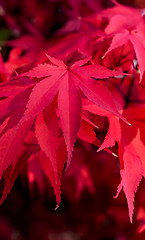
131	149
126	24
46	110
67	81
27	98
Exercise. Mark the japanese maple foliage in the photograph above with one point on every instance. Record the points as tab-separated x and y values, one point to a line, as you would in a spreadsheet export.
69	84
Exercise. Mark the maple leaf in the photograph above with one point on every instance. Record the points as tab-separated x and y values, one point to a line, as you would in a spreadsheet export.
67	82
126	24
129	17
131	157
132	163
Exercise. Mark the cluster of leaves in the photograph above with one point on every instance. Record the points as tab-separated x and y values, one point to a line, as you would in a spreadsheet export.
67	84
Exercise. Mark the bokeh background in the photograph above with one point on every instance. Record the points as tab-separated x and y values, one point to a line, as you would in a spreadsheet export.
88	209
